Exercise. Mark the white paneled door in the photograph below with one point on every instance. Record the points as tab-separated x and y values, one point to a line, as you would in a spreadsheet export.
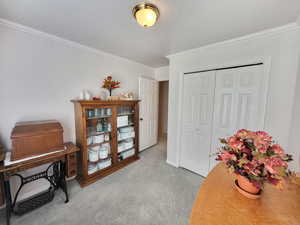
148	94
240	100
215	105
198	100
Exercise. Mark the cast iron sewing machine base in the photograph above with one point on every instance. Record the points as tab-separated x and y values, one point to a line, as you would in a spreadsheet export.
54	174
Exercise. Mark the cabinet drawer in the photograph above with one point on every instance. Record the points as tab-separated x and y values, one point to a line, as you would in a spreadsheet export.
71	165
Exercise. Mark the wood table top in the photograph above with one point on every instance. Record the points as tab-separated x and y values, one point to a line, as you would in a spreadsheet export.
219	203
70	148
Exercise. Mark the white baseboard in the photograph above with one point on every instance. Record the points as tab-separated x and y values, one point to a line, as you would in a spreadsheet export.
172	163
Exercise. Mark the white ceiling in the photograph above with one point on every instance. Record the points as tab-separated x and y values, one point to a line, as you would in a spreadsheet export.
184	24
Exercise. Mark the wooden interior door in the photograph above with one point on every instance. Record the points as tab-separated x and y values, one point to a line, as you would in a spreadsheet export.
148	94
240	99
198	98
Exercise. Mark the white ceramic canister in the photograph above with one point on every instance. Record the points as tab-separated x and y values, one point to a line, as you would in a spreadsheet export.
97	112
106	137
98	139
103	112
93	155
109	112
103	153
107	146
92	168
104	164
87	95
89	140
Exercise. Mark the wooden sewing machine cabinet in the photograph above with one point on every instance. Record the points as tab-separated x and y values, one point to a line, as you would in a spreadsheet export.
55	174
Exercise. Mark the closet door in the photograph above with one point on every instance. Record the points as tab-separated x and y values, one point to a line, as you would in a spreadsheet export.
240	100
198	95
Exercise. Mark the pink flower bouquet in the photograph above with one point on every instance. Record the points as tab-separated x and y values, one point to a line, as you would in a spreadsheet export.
255	155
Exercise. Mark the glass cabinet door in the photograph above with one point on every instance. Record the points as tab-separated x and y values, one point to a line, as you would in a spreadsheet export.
98	139
125	132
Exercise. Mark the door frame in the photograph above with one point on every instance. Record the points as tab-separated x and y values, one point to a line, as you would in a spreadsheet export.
266	60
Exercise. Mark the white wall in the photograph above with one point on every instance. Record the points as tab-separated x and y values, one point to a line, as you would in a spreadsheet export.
162	73
40	74
281	45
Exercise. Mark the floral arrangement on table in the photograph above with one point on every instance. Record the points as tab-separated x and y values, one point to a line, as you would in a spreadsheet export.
255	156
110	84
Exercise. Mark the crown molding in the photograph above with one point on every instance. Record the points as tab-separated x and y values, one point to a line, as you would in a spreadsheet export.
73	44
262	34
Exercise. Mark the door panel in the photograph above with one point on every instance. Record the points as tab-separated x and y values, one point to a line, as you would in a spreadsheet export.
148	94
239	103
197	121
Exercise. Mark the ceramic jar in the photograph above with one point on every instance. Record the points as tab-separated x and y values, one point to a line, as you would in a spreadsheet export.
98	139
92	168
104	164
128	143
90	113
93	155
98	112
89	140
103	153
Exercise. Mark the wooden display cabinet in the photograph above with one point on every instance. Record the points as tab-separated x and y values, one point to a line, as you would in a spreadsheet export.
107	134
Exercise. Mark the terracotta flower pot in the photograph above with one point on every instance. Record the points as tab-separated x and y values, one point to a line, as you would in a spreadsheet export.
246	185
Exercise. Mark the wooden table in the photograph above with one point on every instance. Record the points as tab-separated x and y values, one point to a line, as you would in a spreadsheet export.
219	203
56	179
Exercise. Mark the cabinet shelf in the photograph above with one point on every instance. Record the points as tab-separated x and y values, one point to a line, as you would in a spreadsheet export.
98	117
98	144
95	133
126	114
126	150
123	139
128	125
100	160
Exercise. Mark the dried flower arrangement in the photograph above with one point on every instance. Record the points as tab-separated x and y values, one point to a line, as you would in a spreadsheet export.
110	84
255	156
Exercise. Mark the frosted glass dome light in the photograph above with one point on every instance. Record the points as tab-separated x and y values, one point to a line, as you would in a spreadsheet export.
146	14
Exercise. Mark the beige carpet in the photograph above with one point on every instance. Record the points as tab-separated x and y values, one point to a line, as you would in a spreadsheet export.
148	192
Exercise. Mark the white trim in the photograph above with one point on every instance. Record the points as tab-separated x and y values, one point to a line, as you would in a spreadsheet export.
257	35
267	71
41	34
172	163
266	60
179	122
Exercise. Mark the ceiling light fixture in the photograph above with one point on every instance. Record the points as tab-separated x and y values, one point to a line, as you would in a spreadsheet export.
146	14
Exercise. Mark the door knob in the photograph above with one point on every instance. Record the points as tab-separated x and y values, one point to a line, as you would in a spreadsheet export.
141	119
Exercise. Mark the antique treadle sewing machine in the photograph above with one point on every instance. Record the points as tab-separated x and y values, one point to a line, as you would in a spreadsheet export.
35	144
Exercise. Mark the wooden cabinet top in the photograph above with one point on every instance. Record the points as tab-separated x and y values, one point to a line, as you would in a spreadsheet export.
218	203
101	102
35	128
34	162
